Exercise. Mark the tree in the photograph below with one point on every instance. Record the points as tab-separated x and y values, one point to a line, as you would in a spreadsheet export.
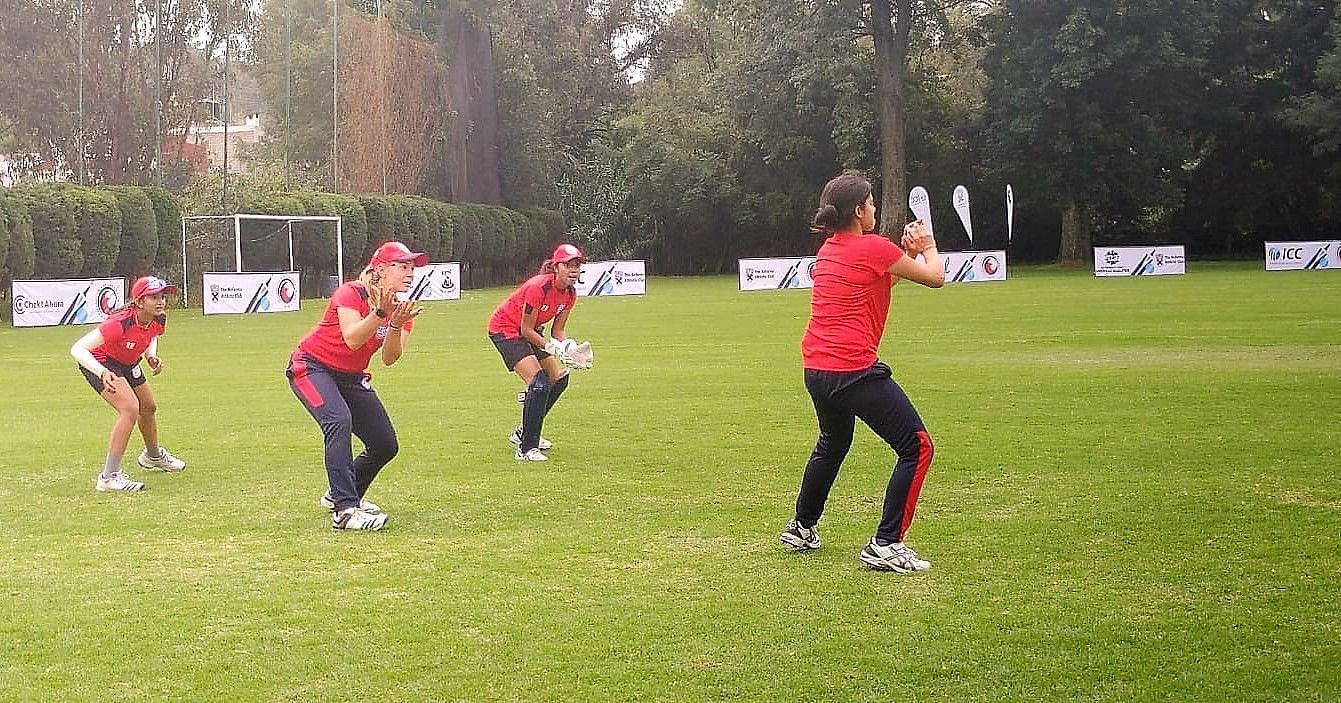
1092	103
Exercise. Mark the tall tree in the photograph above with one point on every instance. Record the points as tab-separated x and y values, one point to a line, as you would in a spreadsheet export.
1092	103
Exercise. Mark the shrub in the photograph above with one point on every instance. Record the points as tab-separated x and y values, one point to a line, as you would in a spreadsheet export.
139	232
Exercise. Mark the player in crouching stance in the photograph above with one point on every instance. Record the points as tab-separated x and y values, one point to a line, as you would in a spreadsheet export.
854	272
109	358
517	331
329	374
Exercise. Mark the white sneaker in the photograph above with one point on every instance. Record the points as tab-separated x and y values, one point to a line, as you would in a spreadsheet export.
800	538
897	557
530	455
365	505
515	438
118	482
356	519
164	462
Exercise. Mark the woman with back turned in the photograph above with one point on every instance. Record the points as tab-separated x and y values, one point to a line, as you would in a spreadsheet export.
854	272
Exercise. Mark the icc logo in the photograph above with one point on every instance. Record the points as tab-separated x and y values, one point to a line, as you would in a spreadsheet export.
990	265
107	300
1274	254
287	291
1111	257
1292	254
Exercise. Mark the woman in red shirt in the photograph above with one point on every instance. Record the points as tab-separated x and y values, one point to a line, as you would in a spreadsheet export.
109	357
517	331
329	374
854	272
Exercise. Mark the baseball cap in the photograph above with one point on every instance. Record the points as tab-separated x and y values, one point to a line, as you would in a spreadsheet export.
150	285
396	251
565	253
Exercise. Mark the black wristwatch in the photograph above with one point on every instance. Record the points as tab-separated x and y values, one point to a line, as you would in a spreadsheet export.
380	313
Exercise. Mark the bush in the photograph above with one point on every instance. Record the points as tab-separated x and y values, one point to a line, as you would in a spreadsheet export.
381	224
21	257
139	232
56	246
168	223
98	226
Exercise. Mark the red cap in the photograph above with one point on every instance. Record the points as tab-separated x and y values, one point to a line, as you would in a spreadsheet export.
566	253
395	251
150	285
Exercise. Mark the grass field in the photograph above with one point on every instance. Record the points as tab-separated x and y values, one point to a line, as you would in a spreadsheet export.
1135	497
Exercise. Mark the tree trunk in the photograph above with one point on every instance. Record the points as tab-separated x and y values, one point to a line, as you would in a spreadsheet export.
889	29
1076	248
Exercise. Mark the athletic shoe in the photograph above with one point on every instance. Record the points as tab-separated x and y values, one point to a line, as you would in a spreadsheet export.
118	482
356	519
365	505
515	438
800	538
530	455
164	462
896	557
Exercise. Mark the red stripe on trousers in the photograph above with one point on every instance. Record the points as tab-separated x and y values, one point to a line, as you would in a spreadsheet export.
925	451
303	383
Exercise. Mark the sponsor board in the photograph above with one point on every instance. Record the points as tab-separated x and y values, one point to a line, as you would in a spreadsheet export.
1140	261
612	278
436	282
67	302
245	293
1303	256
772	274
974	266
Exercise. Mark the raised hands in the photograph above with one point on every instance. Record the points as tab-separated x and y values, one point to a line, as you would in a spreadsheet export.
402	311
917	238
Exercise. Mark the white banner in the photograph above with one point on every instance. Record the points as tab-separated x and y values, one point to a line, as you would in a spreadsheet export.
961	201
612	278
242	293
436	282
974	266
1010	213
920	203
771	274
1139	261
1303	256
70	302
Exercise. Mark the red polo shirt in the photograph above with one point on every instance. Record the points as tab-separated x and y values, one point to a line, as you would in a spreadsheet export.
538	293
124	340
849	302
326	343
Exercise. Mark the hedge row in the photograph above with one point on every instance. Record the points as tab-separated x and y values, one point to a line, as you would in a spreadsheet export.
494	244
64	231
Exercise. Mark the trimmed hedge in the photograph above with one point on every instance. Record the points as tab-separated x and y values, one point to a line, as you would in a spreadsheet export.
21	256
168	222
139	231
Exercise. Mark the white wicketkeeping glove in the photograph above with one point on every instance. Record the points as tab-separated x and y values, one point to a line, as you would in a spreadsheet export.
579	356
555	347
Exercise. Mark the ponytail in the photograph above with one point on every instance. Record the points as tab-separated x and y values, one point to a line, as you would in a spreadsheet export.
547	266
839	201
826	220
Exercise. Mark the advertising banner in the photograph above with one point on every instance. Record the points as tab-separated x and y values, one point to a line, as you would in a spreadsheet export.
244	293
612	278
974	266
1140	261
772	274
436	282
1303	256
68	302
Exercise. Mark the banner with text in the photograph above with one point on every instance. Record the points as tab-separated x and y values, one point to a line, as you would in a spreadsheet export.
243	293
1303	256
974	266
612	278
70	302
1140	261
772	274
436	282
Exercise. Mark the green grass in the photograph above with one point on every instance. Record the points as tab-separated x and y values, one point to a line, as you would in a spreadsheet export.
1135	497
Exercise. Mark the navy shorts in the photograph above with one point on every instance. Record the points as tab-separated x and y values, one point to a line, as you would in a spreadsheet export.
132	373
514	349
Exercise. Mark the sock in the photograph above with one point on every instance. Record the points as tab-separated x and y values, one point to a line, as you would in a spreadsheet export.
153	451
533	411
112	465
555	391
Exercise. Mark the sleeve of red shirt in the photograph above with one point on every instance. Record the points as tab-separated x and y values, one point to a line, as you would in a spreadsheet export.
884	253
531	296
347	297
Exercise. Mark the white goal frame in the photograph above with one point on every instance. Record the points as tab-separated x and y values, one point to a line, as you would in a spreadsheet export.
287	219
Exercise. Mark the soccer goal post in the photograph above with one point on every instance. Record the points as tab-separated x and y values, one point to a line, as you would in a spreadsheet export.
287	220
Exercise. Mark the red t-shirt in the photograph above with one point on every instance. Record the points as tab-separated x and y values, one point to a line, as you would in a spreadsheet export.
849	302
124	340
326	343
538	293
